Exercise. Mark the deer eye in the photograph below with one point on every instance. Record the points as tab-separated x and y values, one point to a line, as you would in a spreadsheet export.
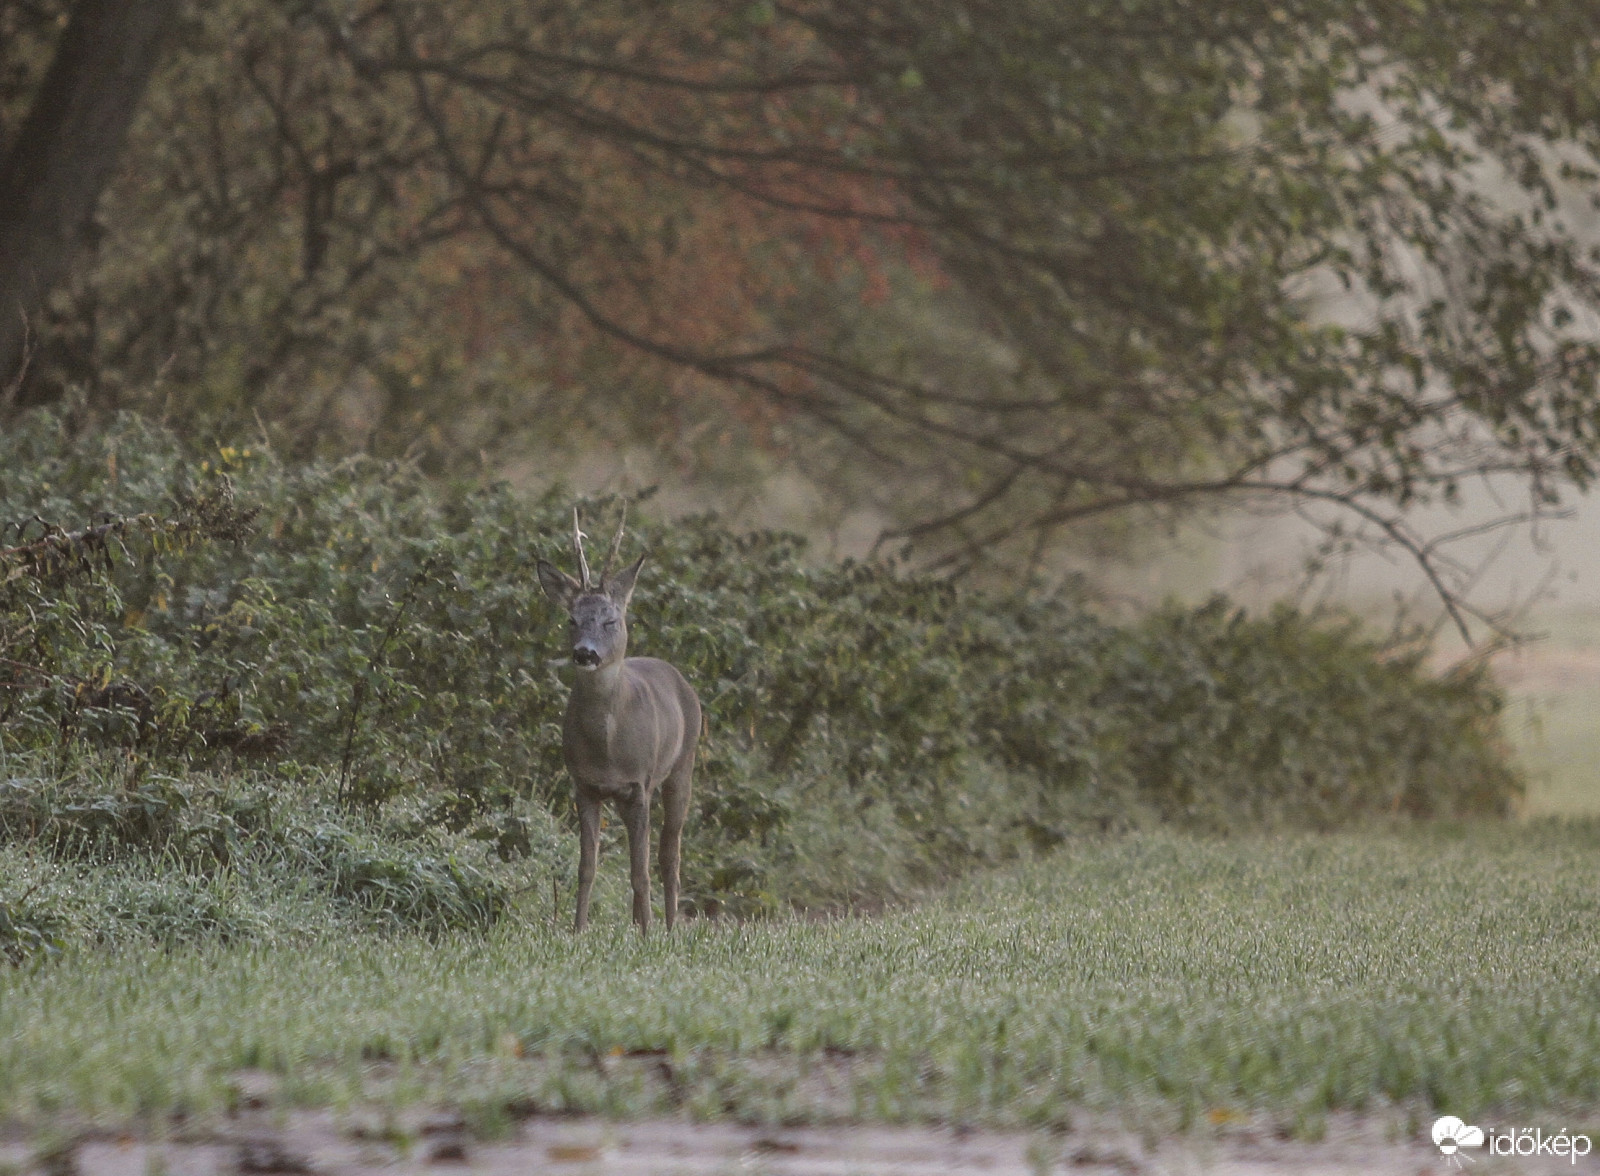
611	624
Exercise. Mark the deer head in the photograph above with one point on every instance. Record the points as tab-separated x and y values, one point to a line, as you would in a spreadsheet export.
597	613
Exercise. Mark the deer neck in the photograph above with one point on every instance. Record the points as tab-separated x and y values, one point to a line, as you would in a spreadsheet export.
601	690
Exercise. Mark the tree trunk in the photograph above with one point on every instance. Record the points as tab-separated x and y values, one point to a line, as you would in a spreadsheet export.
65	151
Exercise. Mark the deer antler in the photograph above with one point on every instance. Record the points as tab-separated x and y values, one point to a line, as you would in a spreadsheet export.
616	543
577	546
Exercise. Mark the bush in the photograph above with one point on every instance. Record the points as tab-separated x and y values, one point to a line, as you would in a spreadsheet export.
355	627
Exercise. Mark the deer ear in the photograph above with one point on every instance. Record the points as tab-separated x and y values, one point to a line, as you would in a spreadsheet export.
557	585
620	586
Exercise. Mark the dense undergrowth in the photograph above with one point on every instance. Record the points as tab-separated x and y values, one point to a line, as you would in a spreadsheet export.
245	685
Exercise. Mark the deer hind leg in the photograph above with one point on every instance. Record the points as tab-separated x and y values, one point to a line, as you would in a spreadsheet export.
588	852
636	816
675	806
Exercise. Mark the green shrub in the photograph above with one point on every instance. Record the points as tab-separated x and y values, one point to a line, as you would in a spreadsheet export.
1302	721
356	628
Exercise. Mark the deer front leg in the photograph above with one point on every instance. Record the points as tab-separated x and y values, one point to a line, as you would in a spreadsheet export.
636	816
588	852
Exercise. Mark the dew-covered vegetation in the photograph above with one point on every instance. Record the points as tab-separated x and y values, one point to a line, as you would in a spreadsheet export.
280	791
241	697
1440	967
282	806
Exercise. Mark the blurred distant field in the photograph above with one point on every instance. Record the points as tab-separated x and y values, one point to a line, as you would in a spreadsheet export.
1545	582
1554	717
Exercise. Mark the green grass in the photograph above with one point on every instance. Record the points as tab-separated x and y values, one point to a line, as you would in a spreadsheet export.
1448	968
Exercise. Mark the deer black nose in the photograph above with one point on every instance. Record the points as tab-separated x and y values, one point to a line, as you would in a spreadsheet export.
582	655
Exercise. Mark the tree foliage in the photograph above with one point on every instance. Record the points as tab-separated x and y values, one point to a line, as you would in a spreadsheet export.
1006	265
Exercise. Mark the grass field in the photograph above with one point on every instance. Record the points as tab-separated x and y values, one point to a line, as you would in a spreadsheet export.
1443	968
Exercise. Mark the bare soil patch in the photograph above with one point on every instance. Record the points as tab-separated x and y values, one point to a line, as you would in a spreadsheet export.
358	1144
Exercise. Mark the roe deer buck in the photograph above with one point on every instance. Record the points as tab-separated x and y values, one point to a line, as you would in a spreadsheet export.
631	727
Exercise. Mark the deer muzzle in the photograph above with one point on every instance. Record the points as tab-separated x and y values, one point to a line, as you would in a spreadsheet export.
585	656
